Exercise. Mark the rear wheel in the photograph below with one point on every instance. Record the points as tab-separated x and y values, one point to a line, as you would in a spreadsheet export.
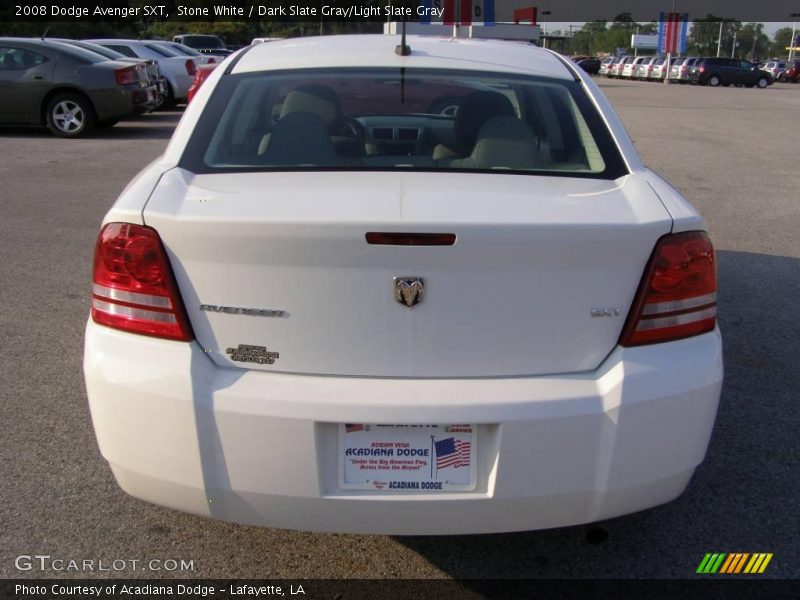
762	82
782	78
714	81
70	115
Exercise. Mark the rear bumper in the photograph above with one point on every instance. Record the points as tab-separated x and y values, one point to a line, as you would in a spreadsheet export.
260	448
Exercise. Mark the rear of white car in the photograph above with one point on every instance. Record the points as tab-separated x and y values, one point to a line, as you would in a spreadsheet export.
338	304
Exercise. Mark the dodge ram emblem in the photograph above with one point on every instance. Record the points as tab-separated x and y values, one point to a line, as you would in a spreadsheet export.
408	291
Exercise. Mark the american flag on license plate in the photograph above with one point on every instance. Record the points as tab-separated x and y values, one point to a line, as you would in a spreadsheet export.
451	452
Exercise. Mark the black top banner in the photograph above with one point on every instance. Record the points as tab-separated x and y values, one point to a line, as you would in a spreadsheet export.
385	10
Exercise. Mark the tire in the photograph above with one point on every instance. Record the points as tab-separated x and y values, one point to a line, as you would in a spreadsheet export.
714	80
70	115
169	101
782	78
762	82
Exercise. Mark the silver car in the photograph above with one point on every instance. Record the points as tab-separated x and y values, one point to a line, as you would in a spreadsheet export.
681	69
606	64
646	67
631	68
774	68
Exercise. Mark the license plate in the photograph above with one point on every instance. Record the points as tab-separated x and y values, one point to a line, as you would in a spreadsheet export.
407	458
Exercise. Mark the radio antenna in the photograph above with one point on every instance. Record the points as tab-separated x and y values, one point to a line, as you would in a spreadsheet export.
403	49
46	31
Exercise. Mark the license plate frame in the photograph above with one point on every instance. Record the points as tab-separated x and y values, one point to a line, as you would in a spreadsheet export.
427	459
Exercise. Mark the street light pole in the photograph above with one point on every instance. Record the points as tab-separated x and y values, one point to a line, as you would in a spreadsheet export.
791	41
719	40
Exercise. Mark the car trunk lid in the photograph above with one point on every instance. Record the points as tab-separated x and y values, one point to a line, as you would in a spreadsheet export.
280	264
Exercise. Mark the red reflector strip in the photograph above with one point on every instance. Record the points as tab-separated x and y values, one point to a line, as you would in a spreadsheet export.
131	297
676	320
410	239
677	305
131	312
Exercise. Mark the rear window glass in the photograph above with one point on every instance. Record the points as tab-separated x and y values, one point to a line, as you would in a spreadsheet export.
97	49
81	55
162	51
392	119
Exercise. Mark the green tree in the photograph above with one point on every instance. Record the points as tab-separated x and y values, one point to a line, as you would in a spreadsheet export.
752	43
705	35
782	39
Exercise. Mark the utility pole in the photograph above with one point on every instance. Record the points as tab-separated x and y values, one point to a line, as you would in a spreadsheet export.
546	14
719	41
733	46
791	41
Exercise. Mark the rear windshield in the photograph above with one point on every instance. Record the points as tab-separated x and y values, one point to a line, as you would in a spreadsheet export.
412	119
96	48
79	54
163	51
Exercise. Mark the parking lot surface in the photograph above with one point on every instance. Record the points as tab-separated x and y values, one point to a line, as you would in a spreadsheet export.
733	152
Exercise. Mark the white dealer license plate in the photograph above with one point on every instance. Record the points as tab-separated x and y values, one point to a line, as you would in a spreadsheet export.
407	458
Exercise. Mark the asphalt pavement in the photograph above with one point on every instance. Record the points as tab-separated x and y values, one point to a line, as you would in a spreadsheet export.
732	151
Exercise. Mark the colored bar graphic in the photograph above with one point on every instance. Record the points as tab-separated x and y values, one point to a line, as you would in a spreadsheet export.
733	563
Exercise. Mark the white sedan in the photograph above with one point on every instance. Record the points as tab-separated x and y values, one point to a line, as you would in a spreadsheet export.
426	294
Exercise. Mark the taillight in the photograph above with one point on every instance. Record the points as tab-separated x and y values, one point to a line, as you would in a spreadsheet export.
683	69
132	287
678	294
650	68
703	69
191	68
125	76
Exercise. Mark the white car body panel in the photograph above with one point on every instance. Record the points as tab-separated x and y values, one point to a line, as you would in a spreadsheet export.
570	428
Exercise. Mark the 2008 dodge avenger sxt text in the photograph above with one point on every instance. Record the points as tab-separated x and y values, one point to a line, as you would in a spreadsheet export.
425	294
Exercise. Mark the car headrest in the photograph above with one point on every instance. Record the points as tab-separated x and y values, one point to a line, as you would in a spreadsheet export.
476	109
506	143
299	138
316	99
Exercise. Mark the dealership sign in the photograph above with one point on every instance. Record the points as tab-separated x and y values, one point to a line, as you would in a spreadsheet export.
672	32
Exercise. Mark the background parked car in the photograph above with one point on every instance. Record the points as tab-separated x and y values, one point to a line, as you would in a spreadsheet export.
182	50
774	68
69	89
729	71
153	72
203	71
681	69
644	68
616	69
178	70
204	43
792	72
631	67
589	64
606	64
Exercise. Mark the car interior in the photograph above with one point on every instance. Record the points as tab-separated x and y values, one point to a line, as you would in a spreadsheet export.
382	120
